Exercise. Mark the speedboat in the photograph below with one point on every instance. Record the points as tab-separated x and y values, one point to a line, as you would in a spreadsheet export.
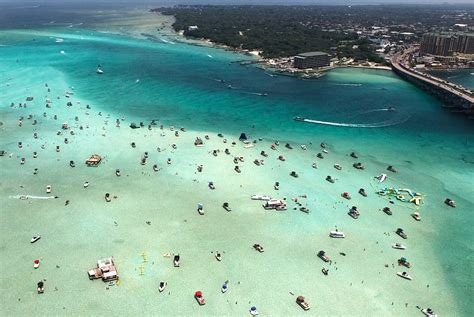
362	192
72	164
225	287
40	287
322	255
354	155
416	216
162	286
387	211
253	311
338	167
401	233
99	70
381	177
107	197
258	247
314	165
398	246
298	118
176	260
36	263
200	299
336	234
450	202
35	238
218	256
346	195
211	185
48	189
354	213
330	179
200	209
155	168
226	206
404	275
300	300
429	312
117	172
403	261
86	184
277	186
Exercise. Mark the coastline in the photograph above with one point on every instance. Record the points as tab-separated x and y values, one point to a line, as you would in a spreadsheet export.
168	199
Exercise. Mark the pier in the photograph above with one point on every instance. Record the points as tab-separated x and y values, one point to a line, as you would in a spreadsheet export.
455	97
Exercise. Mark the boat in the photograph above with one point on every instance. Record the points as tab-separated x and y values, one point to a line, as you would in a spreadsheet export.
36	263
358	166
314	165
199	298
200	209
301	301
429	312
450	202
117	172
155	168
211	185
99	70
294	174
176	260
275	204
72	164
48	189
226	206
107	197
94	160
304	209
253	311
325	271
322	255
330	179
346	195
381	177
298	118
354	155
260	197
86	184
35	238
353	212
338	167
387	211
404	262
258	247
218	256
398	246
198	142
362	192
401	233
336	234
40	287
276	186
404	275
416	216
225	287
162	286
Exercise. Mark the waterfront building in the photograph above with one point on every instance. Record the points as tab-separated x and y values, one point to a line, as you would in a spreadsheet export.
447	44
311	60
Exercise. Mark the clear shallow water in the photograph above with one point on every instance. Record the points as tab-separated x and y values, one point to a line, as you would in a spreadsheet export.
180	85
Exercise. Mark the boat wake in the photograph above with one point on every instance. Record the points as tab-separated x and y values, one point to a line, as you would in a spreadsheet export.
353	85
25	197
210	56
381	124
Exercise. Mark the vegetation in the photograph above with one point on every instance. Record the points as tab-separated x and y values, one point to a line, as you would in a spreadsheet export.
343	31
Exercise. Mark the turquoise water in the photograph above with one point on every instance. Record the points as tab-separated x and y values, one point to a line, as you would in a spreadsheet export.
463	77
181	85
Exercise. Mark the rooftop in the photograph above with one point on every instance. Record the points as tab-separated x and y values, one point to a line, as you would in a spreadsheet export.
317	53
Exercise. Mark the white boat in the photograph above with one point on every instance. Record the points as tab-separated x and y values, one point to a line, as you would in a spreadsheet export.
86	184
200	209
429	312
337	234
35	238
99	70
381	177
162	286
398	246
253	311
225	287
260	197
218	256
404	275
48	189
36	263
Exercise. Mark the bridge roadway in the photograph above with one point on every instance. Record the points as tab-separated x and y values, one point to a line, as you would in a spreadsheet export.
400	62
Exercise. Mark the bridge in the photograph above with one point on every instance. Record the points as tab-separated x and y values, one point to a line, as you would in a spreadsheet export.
456	97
